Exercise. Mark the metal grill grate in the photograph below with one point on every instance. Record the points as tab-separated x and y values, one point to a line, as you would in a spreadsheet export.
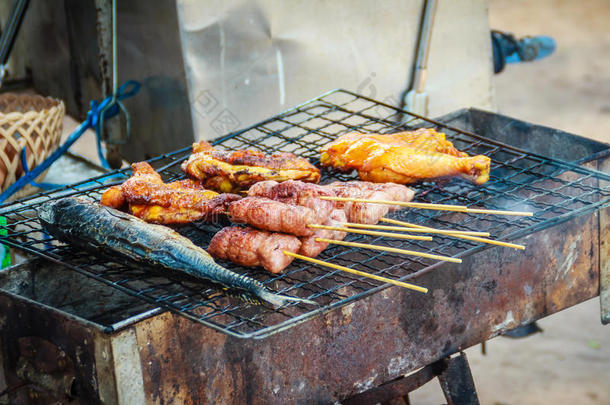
554	190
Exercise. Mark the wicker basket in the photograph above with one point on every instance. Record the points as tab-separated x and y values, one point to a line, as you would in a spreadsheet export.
29	121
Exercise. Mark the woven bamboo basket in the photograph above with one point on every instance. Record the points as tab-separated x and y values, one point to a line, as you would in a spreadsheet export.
29	121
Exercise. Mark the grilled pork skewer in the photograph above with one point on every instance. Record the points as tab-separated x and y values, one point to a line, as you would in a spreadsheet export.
309	195
297	193
309	244
95	227
251	247
274	216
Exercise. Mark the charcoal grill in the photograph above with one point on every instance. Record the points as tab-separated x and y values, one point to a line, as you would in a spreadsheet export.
564	195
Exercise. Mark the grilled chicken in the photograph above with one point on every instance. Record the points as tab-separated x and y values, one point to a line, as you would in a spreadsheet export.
275	216
252	247
404	157
146	196
232	171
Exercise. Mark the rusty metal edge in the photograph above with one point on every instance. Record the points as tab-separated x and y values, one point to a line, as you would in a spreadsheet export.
604	254
36	304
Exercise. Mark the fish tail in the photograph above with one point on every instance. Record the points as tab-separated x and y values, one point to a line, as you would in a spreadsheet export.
278	300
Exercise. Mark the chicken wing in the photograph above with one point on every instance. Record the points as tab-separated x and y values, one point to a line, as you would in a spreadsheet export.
231	171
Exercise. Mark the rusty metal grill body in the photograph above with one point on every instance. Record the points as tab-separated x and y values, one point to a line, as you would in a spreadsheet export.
555	190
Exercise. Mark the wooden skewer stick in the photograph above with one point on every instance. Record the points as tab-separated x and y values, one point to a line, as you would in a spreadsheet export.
373	233
467	237
442	207
499	212
415	229
357	272
428	206
389	249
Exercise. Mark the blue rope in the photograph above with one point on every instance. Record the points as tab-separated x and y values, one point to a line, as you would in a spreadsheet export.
108	108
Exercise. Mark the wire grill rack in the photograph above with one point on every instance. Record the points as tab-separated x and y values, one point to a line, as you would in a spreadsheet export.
554	190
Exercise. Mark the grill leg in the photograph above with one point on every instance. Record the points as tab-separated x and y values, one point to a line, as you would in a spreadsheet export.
453	374
457	383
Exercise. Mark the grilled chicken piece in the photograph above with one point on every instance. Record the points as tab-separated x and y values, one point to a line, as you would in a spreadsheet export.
253	247
424	140
275	216
367	213
232	171
298	193
311	248
146	196
405	157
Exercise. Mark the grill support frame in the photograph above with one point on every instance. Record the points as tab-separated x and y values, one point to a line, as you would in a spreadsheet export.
340	353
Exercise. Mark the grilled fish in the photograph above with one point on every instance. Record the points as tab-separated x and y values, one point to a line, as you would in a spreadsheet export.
95	227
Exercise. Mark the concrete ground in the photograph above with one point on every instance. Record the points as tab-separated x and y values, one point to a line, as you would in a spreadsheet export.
569	363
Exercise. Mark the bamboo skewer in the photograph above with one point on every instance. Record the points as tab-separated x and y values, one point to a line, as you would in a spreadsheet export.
373	233
413	228
467	237
357	272
389	249
428	206
499	212
442	207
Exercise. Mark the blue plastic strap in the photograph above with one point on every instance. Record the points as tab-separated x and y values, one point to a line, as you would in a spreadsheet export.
128	89
42	185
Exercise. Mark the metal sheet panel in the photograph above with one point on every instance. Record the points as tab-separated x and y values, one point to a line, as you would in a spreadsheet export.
248	60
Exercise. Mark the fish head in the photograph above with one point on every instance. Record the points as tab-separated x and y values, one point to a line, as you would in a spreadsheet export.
51	211
46	212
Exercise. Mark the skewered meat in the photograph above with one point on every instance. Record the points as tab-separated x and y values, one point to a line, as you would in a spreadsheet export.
367	213
297	193
231	171
393	191
97	228
310	247
149	198
403	158
306	194
274	216
252	247
289	207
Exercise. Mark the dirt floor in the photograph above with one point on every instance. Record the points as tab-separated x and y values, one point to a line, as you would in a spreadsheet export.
569	363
